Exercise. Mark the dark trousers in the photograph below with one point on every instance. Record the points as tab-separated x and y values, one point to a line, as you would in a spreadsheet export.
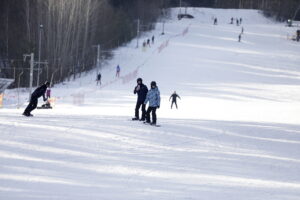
175	104
149	110
32	105
137	108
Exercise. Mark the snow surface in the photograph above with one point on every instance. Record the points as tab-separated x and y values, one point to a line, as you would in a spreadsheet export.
236	134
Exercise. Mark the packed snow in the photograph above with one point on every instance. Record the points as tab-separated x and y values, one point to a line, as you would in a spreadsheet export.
235	135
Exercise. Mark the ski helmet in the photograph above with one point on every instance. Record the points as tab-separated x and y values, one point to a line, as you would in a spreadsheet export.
153	83
139	79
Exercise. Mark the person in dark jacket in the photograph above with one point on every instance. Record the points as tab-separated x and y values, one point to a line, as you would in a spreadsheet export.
153	97
37	93
99	78
174	97
141	91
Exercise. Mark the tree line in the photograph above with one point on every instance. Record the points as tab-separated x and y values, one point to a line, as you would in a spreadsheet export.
65	32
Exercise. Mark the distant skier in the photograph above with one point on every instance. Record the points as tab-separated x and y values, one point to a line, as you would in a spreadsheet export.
40	91
141	91
174	97
242	30
118	71
99	78
153	97
298	35
240	37
231	22
237	22
148	42
241	21
216	21
153	39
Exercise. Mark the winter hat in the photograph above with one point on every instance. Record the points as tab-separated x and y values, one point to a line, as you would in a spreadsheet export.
153	83
47	83
139	79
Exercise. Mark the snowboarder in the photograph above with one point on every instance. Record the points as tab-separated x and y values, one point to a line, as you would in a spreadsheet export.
174	99
99	78
40	91
240	37
118	71
153	39
141	91
153	96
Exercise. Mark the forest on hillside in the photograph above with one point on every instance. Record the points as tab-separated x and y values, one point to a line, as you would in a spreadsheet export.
64	34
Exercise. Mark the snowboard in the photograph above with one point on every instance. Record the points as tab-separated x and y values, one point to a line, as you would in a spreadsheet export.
41	107
156	125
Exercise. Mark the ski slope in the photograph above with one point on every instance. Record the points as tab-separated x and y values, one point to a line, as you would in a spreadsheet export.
235	136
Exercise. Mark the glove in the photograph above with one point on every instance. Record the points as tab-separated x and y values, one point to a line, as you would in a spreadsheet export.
45	99
157	107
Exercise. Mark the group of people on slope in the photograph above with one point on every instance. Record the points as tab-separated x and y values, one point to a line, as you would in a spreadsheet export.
153	97
99	76
143	97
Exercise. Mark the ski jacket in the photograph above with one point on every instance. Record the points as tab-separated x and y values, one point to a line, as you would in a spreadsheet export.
174	96
141	93
98	77
153	96
40	91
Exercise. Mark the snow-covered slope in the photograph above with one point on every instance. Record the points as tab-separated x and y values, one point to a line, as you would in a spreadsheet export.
236	134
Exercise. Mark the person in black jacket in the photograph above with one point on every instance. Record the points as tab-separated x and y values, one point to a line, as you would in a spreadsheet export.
174	99
141	91
37	93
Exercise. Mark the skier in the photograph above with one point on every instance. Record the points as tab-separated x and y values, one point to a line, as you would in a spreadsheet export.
99	78
242	30
118	71
174	99
153	96
141	91
148	42
40	91
240	37
237	22
153	39
241	20
215	21
298	35
231	20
